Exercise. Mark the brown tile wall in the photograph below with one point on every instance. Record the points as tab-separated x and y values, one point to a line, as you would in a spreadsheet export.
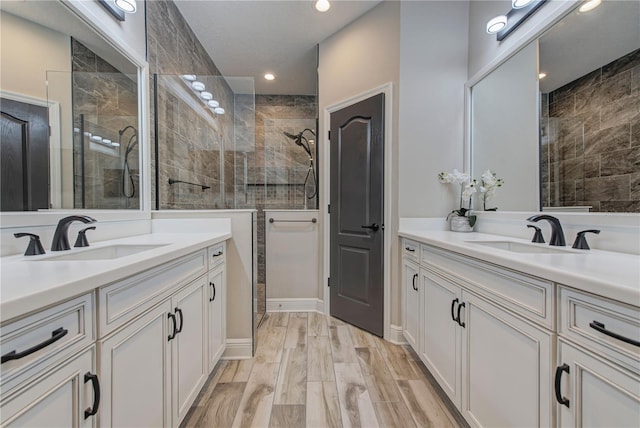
108	101
191	139
591	139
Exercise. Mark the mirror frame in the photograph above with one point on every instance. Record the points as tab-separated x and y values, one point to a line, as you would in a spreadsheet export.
86	12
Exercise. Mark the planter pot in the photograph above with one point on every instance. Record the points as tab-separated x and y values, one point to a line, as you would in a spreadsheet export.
460	224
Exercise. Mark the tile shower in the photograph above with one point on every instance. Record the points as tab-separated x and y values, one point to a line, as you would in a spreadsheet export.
590	152
242	156
105	102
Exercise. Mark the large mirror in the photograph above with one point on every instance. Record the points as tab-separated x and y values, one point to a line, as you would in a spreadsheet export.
70	120
559	120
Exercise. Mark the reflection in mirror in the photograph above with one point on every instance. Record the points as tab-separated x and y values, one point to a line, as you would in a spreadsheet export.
504	124
588	137
590	121
89	93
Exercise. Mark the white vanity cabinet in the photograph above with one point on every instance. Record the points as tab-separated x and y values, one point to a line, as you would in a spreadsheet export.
493	362
48	372
411	292
156	360
597	378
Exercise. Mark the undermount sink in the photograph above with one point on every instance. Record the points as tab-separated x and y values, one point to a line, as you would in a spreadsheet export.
104	253
520	247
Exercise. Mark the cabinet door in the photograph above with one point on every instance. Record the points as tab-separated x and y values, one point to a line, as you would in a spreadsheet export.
599	393
441	333
57	399
189	347
411	299
506	368
216	316
136	372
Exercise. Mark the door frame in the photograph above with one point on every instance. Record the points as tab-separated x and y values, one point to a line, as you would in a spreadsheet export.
387	90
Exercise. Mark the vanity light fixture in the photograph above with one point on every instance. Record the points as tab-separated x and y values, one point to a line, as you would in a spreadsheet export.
322	5
218	110
519	4
589	5
127	6
496	24
213	103
206	96
198	86
269	76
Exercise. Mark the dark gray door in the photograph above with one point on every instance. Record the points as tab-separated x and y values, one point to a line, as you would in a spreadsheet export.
24	156
357	200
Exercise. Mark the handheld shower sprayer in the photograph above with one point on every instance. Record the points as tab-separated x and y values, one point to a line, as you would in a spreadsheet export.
303	142
128	185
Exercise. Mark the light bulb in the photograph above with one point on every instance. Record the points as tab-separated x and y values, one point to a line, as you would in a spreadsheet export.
198	86
206	96
218	110
496	24
269	76
323	5
213	104
128	6
189	77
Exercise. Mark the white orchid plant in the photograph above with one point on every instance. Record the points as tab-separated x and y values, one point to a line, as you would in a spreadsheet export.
468	186
490	182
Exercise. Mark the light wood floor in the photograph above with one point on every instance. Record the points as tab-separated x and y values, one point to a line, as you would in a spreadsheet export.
316	371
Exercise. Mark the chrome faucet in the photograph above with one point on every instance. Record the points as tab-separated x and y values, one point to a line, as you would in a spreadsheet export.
60	239
557	234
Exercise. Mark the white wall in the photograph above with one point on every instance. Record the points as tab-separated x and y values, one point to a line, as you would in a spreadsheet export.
362	56
484	48
505	131
433	70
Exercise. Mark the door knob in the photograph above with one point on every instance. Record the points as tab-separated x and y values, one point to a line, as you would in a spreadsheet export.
373	227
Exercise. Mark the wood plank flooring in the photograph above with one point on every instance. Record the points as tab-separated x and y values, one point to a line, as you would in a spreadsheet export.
311	370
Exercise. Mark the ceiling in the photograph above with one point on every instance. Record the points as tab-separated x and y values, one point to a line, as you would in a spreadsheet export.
251	38
583	42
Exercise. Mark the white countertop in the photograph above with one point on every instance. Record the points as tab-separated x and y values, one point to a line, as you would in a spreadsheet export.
605	273
31	283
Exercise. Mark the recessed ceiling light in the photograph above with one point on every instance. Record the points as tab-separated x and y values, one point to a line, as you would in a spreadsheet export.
590	5
519	4
542	75
496	24
323	5
269	76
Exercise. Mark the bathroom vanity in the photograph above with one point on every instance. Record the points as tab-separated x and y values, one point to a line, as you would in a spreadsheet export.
123	333
522	334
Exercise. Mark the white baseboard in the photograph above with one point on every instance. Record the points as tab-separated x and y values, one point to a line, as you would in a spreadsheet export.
238	349
395	335
295	305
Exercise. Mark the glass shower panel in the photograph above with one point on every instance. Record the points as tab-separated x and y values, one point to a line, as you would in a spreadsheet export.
95	161
204	141
562	162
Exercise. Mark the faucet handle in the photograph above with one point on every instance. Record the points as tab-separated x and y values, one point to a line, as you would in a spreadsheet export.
82	241
581	242
35	246
537	237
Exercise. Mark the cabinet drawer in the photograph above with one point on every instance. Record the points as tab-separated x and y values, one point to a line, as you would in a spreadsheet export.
601	324
216	254
44	338
124	300
527	296
411	250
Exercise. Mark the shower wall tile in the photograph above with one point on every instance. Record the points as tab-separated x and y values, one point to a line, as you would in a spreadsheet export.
604	108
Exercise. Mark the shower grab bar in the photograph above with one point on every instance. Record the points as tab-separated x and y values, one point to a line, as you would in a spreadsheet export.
172	181
313	220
